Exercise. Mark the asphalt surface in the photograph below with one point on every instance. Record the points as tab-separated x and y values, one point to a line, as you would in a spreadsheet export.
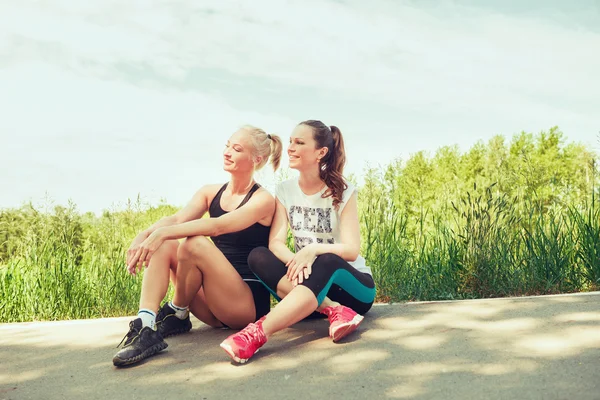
516	348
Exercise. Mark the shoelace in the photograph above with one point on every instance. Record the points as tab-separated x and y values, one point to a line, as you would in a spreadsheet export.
250	333
161	315
129	335
335	316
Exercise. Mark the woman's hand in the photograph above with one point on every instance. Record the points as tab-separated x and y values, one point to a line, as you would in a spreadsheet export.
134	247
300	266
144	251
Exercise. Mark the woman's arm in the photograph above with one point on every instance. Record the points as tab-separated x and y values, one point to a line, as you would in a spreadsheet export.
349	247
258	207
300	265
278	235
195	208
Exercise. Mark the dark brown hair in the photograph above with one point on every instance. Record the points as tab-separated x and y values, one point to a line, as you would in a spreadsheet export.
332	165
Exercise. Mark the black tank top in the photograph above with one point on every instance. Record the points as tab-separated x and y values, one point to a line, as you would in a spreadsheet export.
237	245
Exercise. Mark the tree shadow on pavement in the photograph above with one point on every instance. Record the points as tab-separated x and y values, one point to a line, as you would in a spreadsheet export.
538	348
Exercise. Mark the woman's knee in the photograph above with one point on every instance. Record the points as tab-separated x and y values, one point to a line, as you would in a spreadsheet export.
165	254
193	248
329	259
167	249
257	257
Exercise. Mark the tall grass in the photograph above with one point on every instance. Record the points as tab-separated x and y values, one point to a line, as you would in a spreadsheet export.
488	246
66	265
62	264
428	232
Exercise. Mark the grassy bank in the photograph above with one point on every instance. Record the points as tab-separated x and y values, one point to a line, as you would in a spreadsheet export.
500	219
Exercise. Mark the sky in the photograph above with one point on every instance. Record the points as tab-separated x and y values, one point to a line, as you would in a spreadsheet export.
102	101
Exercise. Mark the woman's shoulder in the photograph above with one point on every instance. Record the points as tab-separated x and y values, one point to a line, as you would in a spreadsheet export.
349	185
287	185
349	188
347	194
263	192
288	182
211	189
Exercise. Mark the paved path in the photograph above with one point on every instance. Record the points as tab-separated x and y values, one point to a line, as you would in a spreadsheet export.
517	348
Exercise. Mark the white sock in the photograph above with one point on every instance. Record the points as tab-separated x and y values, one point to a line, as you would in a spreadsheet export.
148	318
180	312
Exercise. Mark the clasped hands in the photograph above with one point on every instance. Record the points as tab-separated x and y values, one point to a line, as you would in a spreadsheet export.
300	266
141	250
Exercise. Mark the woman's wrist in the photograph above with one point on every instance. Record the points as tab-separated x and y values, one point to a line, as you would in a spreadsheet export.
161	233
317	249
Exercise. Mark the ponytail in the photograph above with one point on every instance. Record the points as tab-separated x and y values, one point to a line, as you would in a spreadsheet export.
331	166
265	146
276	149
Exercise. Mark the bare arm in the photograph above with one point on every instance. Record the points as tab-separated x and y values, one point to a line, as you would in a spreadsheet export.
300	265
349	247
278	235
194	209
258	207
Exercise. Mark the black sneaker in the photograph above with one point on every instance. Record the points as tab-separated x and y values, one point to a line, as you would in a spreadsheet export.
140	342
168	324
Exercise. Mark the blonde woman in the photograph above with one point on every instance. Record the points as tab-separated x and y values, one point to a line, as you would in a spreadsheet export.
212	278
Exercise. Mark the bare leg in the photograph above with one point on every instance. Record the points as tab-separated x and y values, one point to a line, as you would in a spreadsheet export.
156	277
200	309
203	266
297	305
155	285
284	287
273	271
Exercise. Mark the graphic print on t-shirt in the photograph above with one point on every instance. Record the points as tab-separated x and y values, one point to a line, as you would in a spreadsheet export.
310	219
313	219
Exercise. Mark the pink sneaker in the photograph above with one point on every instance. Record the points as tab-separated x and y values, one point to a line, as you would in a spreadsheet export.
244	344
342	320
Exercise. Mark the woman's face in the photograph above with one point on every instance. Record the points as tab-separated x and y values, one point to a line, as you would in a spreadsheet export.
238	153
302	149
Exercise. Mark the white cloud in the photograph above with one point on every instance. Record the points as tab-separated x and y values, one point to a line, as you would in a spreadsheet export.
98	142
398	55
458	70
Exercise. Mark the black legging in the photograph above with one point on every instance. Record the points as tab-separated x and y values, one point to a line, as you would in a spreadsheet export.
331	276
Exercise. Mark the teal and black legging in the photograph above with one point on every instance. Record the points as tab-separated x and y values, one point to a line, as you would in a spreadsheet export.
331	276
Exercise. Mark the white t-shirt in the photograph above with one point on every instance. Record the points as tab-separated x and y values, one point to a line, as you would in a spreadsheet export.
313	218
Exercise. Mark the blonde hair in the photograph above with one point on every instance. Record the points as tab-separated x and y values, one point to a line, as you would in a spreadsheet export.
265	146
